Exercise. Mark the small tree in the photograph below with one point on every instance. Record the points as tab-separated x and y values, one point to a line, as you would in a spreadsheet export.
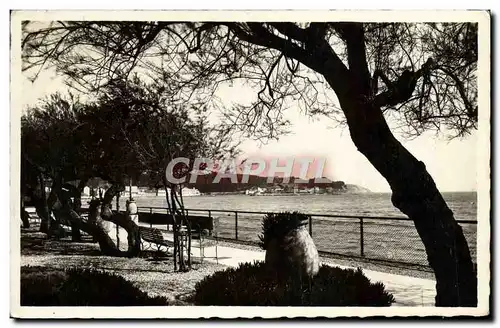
47	152
129	130
155	132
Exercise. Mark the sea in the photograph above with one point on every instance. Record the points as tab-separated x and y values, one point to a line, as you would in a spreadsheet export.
463	204
380	239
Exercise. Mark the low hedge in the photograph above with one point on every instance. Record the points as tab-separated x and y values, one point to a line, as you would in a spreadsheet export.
41	286
256	284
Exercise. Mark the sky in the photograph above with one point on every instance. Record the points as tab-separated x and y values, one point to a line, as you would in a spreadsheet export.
452	164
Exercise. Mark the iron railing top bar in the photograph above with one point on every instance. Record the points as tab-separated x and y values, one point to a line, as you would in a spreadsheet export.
341	216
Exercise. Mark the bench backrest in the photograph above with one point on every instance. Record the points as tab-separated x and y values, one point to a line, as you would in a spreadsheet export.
155	218
197	221
201	222
83	210
151	234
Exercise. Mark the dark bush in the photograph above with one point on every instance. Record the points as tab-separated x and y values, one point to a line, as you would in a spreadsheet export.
80	287
255	284
40	286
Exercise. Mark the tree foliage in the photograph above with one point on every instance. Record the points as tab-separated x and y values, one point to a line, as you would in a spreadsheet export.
131	129
277	60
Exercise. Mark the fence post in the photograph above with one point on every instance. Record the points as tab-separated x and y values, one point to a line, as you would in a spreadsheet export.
236	225
210	216
116	225
361	237
310	226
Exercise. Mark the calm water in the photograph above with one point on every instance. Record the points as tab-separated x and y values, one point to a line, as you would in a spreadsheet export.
382	238
463	204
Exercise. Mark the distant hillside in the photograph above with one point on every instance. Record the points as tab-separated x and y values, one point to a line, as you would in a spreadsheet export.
206	183
355	189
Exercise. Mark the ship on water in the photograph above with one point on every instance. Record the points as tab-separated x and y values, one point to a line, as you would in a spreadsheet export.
186	192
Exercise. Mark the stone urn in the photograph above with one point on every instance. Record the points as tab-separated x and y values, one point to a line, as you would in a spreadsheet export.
132	210
296	250
288	244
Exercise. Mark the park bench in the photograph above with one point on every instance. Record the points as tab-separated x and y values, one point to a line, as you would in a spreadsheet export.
83	211
32	215
154	236
199	224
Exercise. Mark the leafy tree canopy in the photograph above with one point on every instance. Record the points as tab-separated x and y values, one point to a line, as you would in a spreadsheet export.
131	129
284	62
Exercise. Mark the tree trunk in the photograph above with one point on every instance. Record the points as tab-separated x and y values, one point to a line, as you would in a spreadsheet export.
106	244
184	221
55	228
42	209
25	217
43	205
122	219
77	205
416	195
171	208
76	236
94	218
177	221
40	212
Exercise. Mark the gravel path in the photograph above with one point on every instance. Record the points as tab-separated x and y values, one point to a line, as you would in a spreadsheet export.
154	275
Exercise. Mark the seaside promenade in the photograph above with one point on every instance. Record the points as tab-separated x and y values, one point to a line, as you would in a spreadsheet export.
407	290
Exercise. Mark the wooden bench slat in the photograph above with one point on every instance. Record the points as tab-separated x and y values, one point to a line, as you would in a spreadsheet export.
154	235
198	222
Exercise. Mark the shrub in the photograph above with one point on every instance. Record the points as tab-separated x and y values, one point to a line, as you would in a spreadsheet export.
277	225
39	286
80	287
256	284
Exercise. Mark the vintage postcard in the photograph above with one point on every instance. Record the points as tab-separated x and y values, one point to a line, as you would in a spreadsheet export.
250	164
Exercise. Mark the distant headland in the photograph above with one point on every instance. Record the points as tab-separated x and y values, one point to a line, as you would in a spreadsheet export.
259	185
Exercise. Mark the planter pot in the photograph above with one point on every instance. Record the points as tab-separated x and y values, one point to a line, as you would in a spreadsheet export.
296	250
132	211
